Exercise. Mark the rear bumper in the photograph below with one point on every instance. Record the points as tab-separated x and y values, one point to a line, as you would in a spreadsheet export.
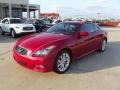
39	64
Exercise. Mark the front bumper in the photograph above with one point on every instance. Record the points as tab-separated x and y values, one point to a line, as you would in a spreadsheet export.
39	64
24	32
20	31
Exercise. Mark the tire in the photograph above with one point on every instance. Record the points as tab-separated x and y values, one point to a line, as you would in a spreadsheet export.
1	31
13	33
103	45
62	62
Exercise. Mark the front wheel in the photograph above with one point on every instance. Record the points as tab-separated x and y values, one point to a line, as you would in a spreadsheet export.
62	62
13	33
1	31
103	45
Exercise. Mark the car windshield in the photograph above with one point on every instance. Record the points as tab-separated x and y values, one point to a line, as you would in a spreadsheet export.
46	21
13	21
41	22
63	28
29	21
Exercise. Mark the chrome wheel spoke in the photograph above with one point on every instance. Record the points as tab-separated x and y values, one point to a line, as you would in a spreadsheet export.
59	63
61	68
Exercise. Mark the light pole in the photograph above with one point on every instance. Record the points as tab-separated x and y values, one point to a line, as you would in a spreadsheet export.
98	15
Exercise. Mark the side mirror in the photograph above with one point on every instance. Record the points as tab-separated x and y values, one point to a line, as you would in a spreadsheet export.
6	23
84	33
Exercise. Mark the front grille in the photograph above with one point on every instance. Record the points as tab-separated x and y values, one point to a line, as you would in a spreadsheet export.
27	28
21	50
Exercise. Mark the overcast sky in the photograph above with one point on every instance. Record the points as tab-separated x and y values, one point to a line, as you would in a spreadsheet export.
81	8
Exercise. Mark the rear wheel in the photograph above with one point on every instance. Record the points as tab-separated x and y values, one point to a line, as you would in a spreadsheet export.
1	31
13	33
103	45
62	62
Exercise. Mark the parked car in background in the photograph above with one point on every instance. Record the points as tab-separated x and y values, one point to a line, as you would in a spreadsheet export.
61	44
109	23
40	24
15	26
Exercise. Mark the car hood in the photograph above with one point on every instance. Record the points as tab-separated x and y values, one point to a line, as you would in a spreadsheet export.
37	41
22	25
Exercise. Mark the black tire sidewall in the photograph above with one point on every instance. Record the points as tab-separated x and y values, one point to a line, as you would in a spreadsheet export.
2	33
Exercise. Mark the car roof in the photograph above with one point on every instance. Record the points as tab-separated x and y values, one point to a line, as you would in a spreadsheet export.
11	18
76	22
72	22
34	19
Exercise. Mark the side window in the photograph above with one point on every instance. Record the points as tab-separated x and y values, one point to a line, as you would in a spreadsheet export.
72	28
96	27
87	27
5	21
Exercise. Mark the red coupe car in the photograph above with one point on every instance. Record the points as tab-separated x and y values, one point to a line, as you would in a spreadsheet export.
56	48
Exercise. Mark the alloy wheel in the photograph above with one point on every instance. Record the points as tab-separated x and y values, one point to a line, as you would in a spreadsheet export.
104	44
63	62
13	33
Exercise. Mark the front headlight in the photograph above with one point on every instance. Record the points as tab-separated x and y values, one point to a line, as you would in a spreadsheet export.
44	52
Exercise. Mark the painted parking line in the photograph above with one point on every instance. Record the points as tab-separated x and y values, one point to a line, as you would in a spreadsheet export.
111	28
5	52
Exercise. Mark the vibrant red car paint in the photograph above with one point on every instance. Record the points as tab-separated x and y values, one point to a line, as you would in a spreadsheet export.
80	44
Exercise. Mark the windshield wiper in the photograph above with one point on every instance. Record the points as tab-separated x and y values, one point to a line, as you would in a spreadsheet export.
56	32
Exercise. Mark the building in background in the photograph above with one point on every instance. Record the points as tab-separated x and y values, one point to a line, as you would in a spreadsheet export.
18	8
49	15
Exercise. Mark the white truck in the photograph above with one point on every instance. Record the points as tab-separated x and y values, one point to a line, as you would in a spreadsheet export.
15	26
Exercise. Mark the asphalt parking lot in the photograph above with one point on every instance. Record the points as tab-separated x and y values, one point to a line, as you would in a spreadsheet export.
97	71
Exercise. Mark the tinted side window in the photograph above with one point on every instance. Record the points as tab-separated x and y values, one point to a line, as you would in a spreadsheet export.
4	21
87	27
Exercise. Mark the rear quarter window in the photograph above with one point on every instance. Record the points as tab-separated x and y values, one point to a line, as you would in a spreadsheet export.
87	27
96	28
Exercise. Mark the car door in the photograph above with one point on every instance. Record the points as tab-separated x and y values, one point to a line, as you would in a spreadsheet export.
5	25
97	36
85	43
